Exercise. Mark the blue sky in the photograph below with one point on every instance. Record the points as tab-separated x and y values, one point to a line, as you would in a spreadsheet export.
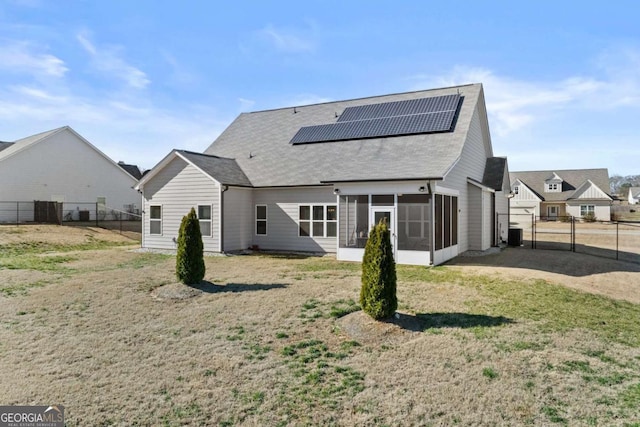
139	78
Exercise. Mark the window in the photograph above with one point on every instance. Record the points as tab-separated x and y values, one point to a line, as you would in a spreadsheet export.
587	210
204	215
318	221
516	189
261	220
155	220
551	187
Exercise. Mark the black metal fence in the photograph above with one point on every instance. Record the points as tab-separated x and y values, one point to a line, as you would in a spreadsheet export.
126	220
610	239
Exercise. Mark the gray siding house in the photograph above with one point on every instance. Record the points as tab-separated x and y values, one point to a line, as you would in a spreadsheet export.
552	194
315	178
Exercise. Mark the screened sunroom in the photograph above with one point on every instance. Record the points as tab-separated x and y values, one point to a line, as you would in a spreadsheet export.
422	225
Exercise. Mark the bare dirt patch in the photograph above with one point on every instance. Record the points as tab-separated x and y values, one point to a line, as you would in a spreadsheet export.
362	328
58	234
603	276
175	291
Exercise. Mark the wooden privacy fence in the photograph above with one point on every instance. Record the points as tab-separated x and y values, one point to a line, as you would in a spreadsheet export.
609	239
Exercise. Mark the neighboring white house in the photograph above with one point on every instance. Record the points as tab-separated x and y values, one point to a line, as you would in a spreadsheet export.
62	166
315	178
560	193
634	195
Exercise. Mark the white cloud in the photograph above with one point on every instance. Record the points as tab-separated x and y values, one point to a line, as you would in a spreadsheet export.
246	104
288	40
135	132
37	93
514	104
179	73
578	121
108	60
24	57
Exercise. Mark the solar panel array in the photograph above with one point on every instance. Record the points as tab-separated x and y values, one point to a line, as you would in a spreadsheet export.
414	116
401	108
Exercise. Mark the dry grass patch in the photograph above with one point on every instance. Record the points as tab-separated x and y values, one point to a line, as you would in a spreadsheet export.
279	340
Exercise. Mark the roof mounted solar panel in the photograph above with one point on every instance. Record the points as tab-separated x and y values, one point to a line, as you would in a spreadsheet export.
408	117
373	128
408	107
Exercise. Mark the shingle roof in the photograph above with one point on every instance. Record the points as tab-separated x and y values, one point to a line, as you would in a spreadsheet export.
5	145
260	144
225	171
572	180
132	170
494	172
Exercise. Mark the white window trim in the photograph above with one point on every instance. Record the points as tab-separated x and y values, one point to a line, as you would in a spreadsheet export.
156	219
516	189
593	211
210	220
324	221
554	187
266	220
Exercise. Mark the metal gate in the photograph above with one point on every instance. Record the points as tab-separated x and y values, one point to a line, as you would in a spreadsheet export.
47	212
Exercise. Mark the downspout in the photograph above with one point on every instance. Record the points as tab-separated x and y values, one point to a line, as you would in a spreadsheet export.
223	189
142	211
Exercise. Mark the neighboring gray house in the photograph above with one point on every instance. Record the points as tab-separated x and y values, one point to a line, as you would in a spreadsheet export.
61	166
552	194
634	195
315	178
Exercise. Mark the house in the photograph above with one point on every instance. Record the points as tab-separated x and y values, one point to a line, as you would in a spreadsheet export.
315	178
560	193
61	166
634	195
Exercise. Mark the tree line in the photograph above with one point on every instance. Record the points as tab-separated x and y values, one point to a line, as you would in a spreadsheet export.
619	183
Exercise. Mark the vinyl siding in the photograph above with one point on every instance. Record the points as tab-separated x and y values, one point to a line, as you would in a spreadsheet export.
524	195
592	192
523	204
282	219
602	208
487	219
475	219
470	165
502	212
177	188
239	217
66	166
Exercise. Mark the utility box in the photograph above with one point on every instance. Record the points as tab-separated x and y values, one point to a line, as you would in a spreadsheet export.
84	216
515	237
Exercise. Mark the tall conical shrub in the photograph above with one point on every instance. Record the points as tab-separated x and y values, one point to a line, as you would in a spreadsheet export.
378	292
190	267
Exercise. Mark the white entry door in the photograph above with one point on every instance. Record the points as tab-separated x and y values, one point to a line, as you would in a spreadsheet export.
387	213
552	211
